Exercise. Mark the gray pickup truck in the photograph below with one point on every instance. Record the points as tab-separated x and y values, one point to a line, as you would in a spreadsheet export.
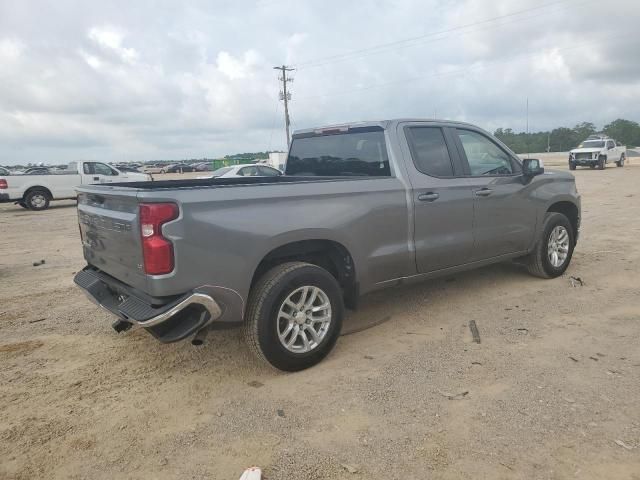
361	207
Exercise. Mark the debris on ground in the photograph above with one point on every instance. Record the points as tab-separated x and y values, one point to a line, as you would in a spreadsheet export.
368	357
474	331
37	264
37	320
595	359
574	359
255	384
524	331
253	473
456	396
576	281
349	468
623	445
280	413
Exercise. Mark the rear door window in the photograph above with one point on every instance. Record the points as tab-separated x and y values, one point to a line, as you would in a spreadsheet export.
429	151
357	152
268	172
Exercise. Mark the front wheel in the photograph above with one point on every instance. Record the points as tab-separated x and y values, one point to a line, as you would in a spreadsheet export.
553	251
602	163
572	166
620	163
294	316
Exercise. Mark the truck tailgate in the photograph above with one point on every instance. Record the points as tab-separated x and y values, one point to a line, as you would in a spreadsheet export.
110	233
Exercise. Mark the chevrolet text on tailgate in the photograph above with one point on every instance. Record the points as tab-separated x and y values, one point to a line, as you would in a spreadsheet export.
361	207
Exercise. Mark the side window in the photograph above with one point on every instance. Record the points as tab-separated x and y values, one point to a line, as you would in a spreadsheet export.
268	172
429	151
610	145
248	172
102	169
87	168
484	156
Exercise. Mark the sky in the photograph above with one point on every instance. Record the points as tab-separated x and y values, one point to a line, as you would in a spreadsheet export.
143	80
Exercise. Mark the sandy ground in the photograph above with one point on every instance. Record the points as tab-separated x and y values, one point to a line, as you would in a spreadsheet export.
553	388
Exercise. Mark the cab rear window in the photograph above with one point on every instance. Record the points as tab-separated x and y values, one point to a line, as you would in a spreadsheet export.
356	152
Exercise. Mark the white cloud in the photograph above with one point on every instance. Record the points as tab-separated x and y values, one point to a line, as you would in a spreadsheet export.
142	80
110	38
234	68
11	50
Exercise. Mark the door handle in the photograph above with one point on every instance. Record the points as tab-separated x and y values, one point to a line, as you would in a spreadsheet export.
484	192
96	178
428	197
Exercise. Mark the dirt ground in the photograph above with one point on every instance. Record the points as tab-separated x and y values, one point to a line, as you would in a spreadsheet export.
551	392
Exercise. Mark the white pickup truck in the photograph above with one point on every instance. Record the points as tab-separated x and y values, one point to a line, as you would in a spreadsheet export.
597	151
36	191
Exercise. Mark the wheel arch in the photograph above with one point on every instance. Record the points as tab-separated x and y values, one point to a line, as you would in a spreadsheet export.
329	254
37	187
569	210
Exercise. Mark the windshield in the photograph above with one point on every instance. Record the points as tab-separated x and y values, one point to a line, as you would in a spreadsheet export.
221	171
592	144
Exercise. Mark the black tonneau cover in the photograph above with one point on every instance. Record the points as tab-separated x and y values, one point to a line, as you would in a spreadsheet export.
222	182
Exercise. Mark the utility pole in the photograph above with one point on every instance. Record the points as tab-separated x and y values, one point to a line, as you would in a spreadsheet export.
285	96
527	142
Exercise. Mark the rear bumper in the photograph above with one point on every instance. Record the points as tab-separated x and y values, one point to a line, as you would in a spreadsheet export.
4	197
169	320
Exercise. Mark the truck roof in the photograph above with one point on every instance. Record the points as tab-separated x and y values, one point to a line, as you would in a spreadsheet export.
380	123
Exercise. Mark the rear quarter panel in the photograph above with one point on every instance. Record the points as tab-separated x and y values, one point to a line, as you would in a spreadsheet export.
225	232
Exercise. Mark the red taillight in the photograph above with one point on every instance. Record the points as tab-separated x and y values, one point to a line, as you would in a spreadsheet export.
157	251
3	183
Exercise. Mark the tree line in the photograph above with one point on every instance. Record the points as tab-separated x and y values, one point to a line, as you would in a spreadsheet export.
563	139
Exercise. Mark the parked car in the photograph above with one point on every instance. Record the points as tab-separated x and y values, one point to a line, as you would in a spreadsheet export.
179	168
126	167
35	191
37	171
202	167
597	152
244	171
361	207
157	168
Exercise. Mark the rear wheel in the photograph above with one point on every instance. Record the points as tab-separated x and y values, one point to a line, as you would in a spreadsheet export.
553	251
294	316
37	199
620	163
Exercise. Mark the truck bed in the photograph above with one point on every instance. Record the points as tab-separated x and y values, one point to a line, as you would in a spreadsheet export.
225	182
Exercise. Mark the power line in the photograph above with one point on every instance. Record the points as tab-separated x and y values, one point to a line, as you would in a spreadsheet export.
457	71
285	96
380	48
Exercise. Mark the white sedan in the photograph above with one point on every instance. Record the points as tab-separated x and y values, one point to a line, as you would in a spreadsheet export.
245	171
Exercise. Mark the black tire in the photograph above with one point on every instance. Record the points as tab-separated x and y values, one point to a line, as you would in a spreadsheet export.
22	204
620	163
37	199
572	166
602	163
592	166
537	261
265	300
